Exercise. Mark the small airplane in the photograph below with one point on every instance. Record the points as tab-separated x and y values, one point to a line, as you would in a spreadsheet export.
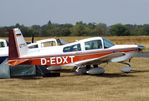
84	55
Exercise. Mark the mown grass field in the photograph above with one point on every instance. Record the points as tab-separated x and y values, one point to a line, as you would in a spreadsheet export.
111	86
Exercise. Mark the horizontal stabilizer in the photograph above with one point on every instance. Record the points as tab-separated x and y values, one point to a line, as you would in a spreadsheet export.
16	62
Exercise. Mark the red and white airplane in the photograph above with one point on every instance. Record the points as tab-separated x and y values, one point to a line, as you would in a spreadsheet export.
85	54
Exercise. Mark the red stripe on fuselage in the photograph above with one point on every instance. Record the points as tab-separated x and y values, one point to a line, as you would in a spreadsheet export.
62	60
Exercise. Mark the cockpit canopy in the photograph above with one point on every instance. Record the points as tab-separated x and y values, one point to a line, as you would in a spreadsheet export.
89	44
47	43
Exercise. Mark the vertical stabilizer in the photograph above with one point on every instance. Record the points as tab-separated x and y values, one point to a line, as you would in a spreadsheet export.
17	44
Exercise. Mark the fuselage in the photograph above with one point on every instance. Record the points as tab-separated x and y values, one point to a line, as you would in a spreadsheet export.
73	54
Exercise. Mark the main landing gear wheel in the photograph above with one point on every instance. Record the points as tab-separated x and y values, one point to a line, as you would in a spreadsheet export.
96	71
126	69
89	70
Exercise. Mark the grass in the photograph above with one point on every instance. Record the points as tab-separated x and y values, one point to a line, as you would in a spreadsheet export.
112	86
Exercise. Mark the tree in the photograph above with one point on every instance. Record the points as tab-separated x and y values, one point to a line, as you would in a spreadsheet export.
101	29
146	29
78	29
49	22
36	29
3	32
119	30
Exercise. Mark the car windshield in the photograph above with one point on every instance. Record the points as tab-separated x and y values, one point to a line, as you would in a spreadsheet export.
107	43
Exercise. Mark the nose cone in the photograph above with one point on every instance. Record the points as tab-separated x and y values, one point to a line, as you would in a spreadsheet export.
140	47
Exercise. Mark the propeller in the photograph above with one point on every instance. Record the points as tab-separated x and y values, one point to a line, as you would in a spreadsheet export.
33	38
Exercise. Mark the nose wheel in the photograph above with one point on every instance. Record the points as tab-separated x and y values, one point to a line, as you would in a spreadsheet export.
127	68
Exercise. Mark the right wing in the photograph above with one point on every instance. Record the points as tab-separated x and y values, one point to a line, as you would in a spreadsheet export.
100	60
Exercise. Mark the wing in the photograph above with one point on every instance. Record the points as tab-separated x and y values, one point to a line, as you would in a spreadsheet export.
100	60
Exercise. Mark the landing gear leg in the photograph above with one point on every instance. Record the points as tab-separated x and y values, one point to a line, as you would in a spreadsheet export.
80	70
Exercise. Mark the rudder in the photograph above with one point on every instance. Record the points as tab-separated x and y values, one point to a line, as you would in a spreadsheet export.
17	44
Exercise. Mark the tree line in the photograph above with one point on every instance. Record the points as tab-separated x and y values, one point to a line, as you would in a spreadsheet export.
79	29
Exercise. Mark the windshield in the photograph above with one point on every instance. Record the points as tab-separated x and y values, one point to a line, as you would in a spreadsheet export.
107	43
2	44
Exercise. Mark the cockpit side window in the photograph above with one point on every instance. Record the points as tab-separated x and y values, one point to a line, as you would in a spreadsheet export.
72	48
94	44
107	43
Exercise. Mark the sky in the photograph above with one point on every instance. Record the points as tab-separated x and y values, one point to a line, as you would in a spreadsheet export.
39	12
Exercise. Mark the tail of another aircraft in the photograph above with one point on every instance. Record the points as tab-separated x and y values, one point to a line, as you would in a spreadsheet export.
17	44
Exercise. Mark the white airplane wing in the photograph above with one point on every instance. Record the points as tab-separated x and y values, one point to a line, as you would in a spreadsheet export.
100	60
